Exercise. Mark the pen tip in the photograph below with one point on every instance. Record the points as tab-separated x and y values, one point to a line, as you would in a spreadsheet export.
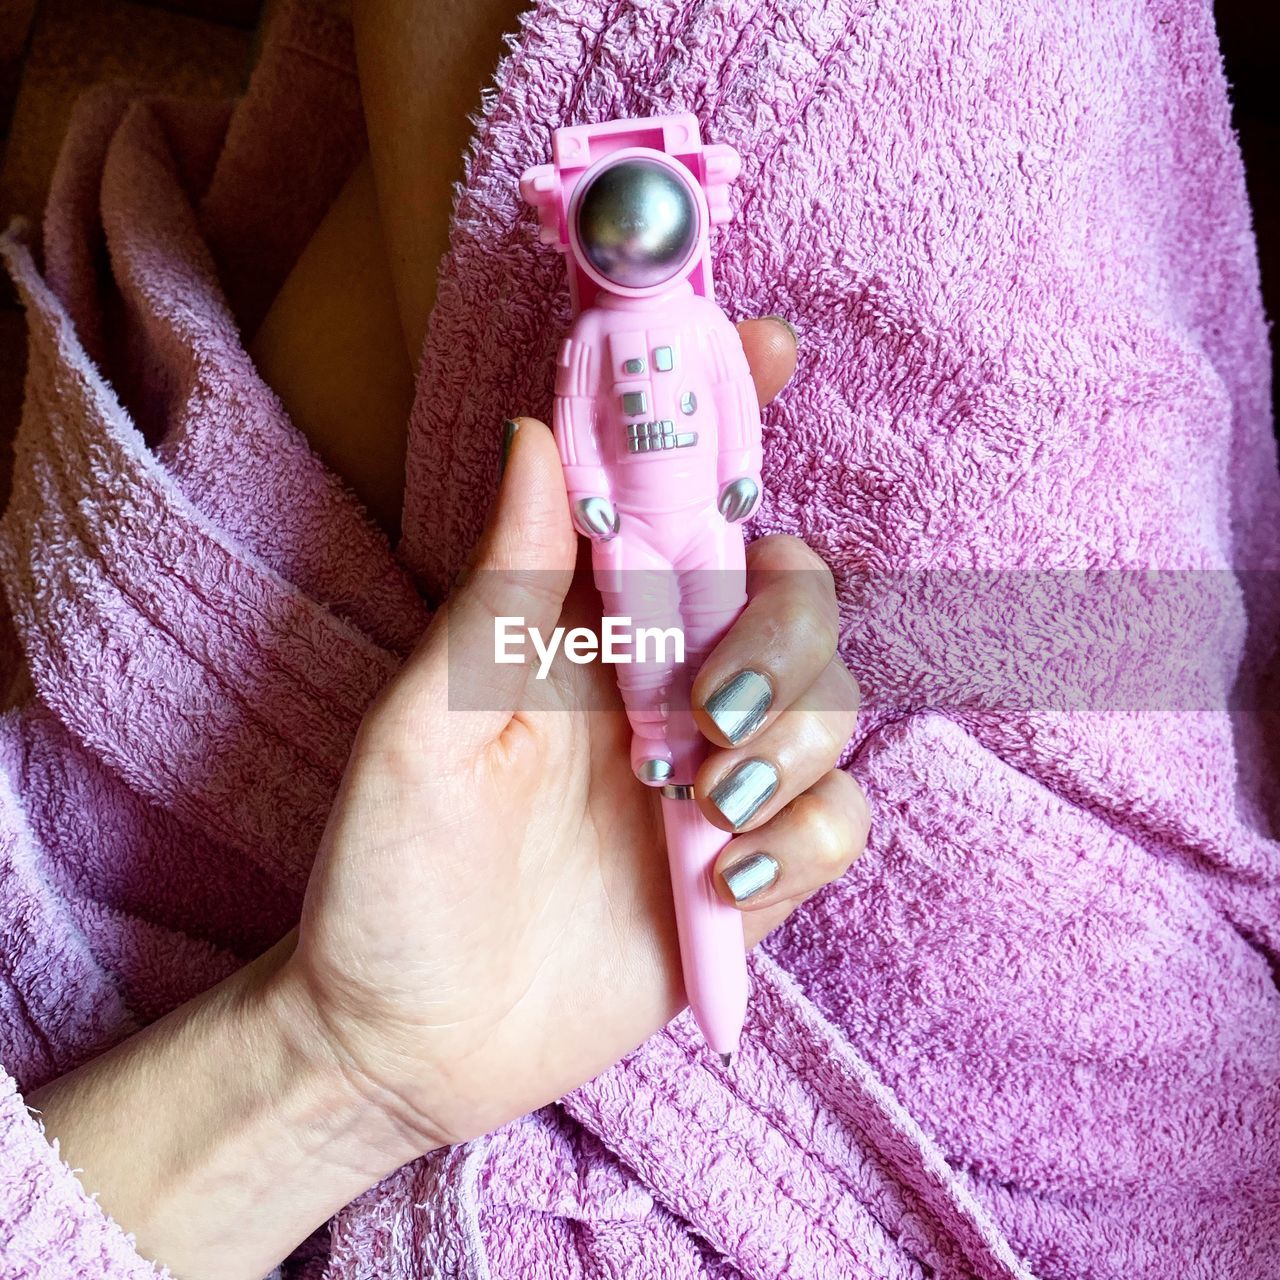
726	1058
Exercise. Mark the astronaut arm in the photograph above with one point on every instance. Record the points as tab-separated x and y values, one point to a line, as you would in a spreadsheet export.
741	452
578	372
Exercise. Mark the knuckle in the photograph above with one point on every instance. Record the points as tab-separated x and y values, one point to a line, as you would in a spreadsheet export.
836	730
818	618
857	808
763	552
807	560
785	553
849	694
829	726
794	615
826	835
850	805
827	608
816	565
778	554
825	632
800	621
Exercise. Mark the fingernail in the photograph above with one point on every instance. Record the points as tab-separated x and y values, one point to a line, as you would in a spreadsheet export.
738	707
751	875
740	795
795	337
509	430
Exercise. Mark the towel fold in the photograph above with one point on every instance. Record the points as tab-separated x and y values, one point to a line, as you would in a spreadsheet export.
1035	1031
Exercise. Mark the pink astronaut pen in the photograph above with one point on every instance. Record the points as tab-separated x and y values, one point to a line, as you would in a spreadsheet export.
658	427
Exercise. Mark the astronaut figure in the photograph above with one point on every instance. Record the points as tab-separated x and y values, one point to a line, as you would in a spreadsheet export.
656	415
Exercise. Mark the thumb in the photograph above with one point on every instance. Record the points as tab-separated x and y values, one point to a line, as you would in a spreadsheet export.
529	525
522	569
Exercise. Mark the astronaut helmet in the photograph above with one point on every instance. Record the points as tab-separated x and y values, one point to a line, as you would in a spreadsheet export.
637	221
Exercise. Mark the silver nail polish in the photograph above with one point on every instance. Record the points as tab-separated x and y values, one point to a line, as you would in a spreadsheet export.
751	875
509	429
739	705
740	795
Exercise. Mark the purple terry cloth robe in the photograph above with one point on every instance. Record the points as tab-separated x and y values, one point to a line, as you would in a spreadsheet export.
1035	1031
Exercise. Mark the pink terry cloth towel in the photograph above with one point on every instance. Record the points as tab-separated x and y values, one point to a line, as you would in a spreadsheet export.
1035	1031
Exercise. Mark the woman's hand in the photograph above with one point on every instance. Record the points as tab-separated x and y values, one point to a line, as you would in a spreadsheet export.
488	923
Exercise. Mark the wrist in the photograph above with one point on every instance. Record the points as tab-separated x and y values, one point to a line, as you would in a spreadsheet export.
225	1133
357	1122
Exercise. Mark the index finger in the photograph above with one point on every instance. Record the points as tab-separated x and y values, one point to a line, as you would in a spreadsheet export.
777	648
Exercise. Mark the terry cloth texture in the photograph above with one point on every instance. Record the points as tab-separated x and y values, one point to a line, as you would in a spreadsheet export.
1034	1032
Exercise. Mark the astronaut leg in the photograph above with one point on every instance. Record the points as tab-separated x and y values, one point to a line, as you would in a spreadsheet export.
636	581
712	574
